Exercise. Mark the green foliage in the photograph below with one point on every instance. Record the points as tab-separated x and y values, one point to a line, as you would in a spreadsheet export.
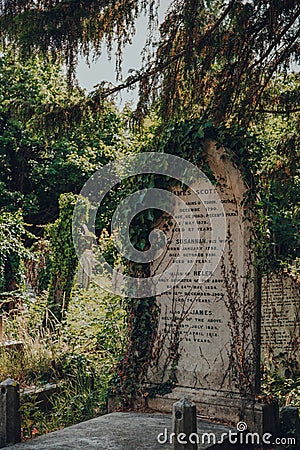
95	333
25	89
63	257
127	383
96	320
79	356
277	168
185	139
31	415
12	250
38	266
285	390
38	163
30	364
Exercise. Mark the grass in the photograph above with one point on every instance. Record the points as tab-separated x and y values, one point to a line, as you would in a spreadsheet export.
79	354
32	363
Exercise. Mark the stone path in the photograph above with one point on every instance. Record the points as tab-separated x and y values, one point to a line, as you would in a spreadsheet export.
118	431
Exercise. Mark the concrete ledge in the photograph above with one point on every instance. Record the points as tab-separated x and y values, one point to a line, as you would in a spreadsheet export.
12	345
120	431
42	395
212	405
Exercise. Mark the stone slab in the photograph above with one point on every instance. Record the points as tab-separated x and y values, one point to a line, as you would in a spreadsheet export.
119	431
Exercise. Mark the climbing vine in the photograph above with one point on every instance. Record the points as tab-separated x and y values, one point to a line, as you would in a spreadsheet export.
38	266
12	250
63	257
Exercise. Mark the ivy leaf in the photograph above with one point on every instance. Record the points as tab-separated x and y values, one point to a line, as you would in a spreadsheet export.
150	215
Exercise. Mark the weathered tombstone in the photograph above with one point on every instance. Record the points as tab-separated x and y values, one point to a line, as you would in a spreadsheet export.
280	323
208	335
10	418
9	345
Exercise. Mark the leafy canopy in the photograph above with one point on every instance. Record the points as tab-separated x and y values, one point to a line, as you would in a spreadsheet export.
213	58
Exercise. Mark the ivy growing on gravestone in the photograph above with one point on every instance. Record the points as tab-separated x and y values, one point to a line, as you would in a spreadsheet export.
184	139
142	314
63	257
38	266
12	251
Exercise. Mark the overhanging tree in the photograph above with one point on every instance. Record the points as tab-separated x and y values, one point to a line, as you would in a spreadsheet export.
214	58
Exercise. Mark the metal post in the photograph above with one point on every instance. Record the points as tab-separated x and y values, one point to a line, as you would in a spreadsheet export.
10	418
185	425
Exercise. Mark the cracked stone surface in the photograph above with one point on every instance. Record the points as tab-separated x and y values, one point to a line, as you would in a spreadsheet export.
118	431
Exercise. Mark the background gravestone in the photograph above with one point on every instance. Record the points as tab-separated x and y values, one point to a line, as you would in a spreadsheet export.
207	337
280	324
